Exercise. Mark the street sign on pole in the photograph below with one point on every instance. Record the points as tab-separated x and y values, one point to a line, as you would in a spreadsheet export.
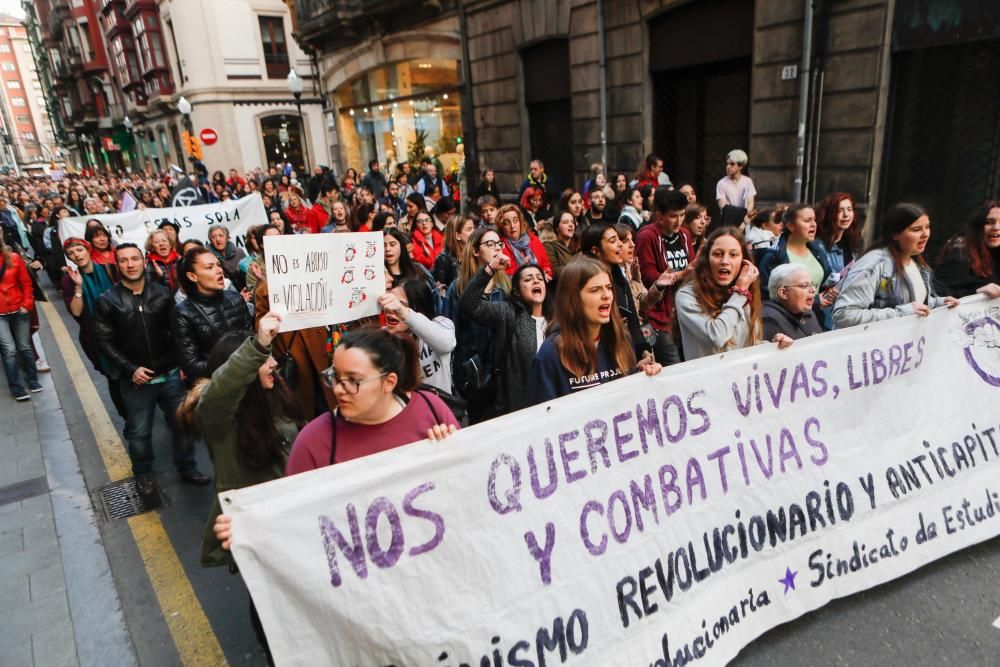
209	136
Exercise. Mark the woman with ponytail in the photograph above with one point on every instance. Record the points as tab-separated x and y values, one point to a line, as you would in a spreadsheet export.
374	378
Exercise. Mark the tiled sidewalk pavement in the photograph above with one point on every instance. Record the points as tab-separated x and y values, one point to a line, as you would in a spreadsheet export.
59	604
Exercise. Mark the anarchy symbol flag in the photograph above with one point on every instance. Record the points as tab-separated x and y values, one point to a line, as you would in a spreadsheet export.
186	193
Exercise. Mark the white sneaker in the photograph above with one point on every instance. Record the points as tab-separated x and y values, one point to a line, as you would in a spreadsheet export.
42	366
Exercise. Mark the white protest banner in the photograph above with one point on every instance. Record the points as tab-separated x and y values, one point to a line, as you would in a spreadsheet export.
194	221
320	279
649	521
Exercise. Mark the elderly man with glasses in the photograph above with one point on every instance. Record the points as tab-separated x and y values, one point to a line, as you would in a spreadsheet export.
790	308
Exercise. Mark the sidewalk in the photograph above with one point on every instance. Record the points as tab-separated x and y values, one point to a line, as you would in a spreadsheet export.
60	605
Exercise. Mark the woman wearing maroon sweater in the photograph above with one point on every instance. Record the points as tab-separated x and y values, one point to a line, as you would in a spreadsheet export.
374	378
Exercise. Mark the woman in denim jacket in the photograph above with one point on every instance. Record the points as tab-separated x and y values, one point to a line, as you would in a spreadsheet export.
893	280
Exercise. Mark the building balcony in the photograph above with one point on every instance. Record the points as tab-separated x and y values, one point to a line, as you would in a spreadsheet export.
74	57
133	7
328	25
91	65
107	6
63	71
114	116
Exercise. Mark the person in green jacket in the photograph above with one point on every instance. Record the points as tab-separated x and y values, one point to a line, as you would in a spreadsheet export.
247	417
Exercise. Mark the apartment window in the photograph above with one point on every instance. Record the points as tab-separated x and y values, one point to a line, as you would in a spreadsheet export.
272	35
4	48
26	47
85	44
149	42
41	102
18	101
14	83
23	118
28	136
9	67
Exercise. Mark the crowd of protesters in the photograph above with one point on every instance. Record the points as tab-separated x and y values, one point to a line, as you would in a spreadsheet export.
528	298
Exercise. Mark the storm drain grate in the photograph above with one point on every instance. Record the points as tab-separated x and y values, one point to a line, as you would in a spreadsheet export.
121	500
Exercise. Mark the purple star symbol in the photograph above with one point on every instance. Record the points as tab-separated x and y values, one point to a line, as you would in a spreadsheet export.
789	580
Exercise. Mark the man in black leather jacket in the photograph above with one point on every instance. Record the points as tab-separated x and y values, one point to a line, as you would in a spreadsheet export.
208	312
131	329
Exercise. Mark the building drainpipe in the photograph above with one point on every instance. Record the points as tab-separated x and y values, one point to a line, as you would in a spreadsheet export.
471	170
602	83
804	82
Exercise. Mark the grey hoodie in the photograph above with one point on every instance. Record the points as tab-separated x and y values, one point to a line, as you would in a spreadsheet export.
872	291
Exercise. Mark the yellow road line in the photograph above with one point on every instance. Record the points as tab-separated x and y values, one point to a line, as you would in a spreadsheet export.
192	634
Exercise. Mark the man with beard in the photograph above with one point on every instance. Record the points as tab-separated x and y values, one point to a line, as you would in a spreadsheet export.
132	330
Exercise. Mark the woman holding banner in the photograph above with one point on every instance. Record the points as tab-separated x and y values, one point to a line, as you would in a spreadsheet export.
970	262
718	308
589	344
892	280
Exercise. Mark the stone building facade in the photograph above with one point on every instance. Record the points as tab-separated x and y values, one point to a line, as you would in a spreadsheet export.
691	79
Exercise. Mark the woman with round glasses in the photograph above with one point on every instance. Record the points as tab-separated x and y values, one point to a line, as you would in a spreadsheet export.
428	242
374	378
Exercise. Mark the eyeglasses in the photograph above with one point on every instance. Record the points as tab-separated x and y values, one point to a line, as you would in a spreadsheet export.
491	243
419	220
330	381
809	287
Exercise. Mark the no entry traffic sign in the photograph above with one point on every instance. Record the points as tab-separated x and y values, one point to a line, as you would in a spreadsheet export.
209	136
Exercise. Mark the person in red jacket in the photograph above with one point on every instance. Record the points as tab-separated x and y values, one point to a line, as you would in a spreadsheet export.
661	248
519	244
324	202
428	242
302	219
16	302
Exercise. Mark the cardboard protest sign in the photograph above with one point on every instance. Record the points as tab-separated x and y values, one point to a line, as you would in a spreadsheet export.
648	521
320	279
135	226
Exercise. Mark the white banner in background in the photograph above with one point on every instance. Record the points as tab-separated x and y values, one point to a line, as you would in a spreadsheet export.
320	279
194	221
650	521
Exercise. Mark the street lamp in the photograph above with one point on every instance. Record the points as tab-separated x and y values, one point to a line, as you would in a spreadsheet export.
127	122
295	87
185	108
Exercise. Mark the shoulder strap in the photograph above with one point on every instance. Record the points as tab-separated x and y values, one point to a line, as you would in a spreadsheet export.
437	419
333	435
291	341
